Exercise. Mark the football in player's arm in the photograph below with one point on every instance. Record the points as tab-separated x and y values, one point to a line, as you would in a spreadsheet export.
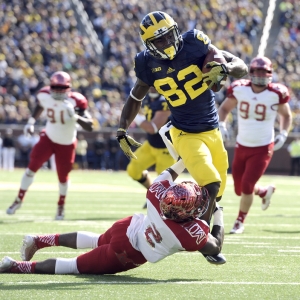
172	63
64	110
171	225
258	102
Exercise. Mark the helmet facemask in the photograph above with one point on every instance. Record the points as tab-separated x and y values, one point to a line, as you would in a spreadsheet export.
261	80
174	42
159	25
59	93
60	85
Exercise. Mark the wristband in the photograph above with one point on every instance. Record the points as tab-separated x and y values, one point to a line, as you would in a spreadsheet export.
154	127
135	98
218	218
139	119
284	133
31	121
178	167
222	124
122	130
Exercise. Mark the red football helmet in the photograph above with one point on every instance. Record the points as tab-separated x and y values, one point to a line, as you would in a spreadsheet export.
261	63
60	85
184	201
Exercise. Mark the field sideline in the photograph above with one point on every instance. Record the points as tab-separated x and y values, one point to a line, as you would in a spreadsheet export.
262	263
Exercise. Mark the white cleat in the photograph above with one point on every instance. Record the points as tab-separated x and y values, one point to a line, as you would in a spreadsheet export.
60	214
238	227
16	205
29	247
265	202
6	264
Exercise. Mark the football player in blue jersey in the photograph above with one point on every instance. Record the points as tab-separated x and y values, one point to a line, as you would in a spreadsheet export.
172	63
153	151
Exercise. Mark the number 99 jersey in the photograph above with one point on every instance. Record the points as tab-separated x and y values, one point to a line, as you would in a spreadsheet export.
180	81
257	111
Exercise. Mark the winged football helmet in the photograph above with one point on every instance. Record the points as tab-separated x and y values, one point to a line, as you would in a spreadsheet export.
159	25
261	63
184	202
60	85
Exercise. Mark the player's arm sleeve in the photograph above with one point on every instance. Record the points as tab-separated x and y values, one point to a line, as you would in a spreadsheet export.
215	239
172	173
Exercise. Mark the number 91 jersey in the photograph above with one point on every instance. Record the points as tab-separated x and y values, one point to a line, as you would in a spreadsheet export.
61	126
180	81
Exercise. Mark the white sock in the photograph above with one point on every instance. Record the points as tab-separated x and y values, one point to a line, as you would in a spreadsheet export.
66	266
63	188
87	239
27	179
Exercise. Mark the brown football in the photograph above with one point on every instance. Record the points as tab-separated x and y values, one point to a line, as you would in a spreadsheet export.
214	55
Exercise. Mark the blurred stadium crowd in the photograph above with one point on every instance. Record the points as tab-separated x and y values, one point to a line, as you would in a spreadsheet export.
39	37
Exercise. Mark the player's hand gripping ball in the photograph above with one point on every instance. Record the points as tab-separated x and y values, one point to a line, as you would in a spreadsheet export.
214	70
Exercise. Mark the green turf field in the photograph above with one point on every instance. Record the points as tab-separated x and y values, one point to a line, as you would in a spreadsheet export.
262	263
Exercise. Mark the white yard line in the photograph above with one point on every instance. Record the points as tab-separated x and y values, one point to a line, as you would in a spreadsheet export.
116	282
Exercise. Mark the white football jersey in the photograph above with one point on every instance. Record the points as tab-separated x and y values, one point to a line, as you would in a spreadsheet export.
257	111
60	127
157	237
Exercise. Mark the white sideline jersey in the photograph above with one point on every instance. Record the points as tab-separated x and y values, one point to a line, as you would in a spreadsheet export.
60	127
158	238
257	111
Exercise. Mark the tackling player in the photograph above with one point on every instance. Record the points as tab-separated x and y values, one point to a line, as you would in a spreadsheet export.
172	63
258	101
153	151
64	109
171	225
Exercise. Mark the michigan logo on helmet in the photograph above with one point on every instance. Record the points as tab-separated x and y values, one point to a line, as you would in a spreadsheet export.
184	201
160	35
261	70
60	85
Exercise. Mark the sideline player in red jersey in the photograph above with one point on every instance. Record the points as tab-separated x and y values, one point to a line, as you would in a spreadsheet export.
258	101
171	225
64	110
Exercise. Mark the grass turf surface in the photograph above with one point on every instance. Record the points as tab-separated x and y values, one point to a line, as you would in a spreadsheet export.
262	263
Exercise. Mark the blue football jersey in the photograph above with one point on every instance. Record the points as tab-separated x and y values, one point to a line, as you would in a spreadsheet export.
150	108
180	81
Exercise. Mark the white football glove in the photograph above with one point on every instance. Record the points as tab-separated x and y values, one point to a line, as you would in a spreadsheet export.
29	127
71	110
224	131
280	140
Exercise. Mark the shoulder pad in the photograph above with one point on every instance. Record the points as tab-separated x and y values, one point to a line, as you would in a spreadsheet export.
80	100
281	90
45	89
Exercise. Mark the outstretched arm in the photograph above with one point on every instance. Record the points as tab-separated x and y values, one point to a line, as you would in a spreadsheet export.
130	110
172	173
85	120
29	127
133	104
